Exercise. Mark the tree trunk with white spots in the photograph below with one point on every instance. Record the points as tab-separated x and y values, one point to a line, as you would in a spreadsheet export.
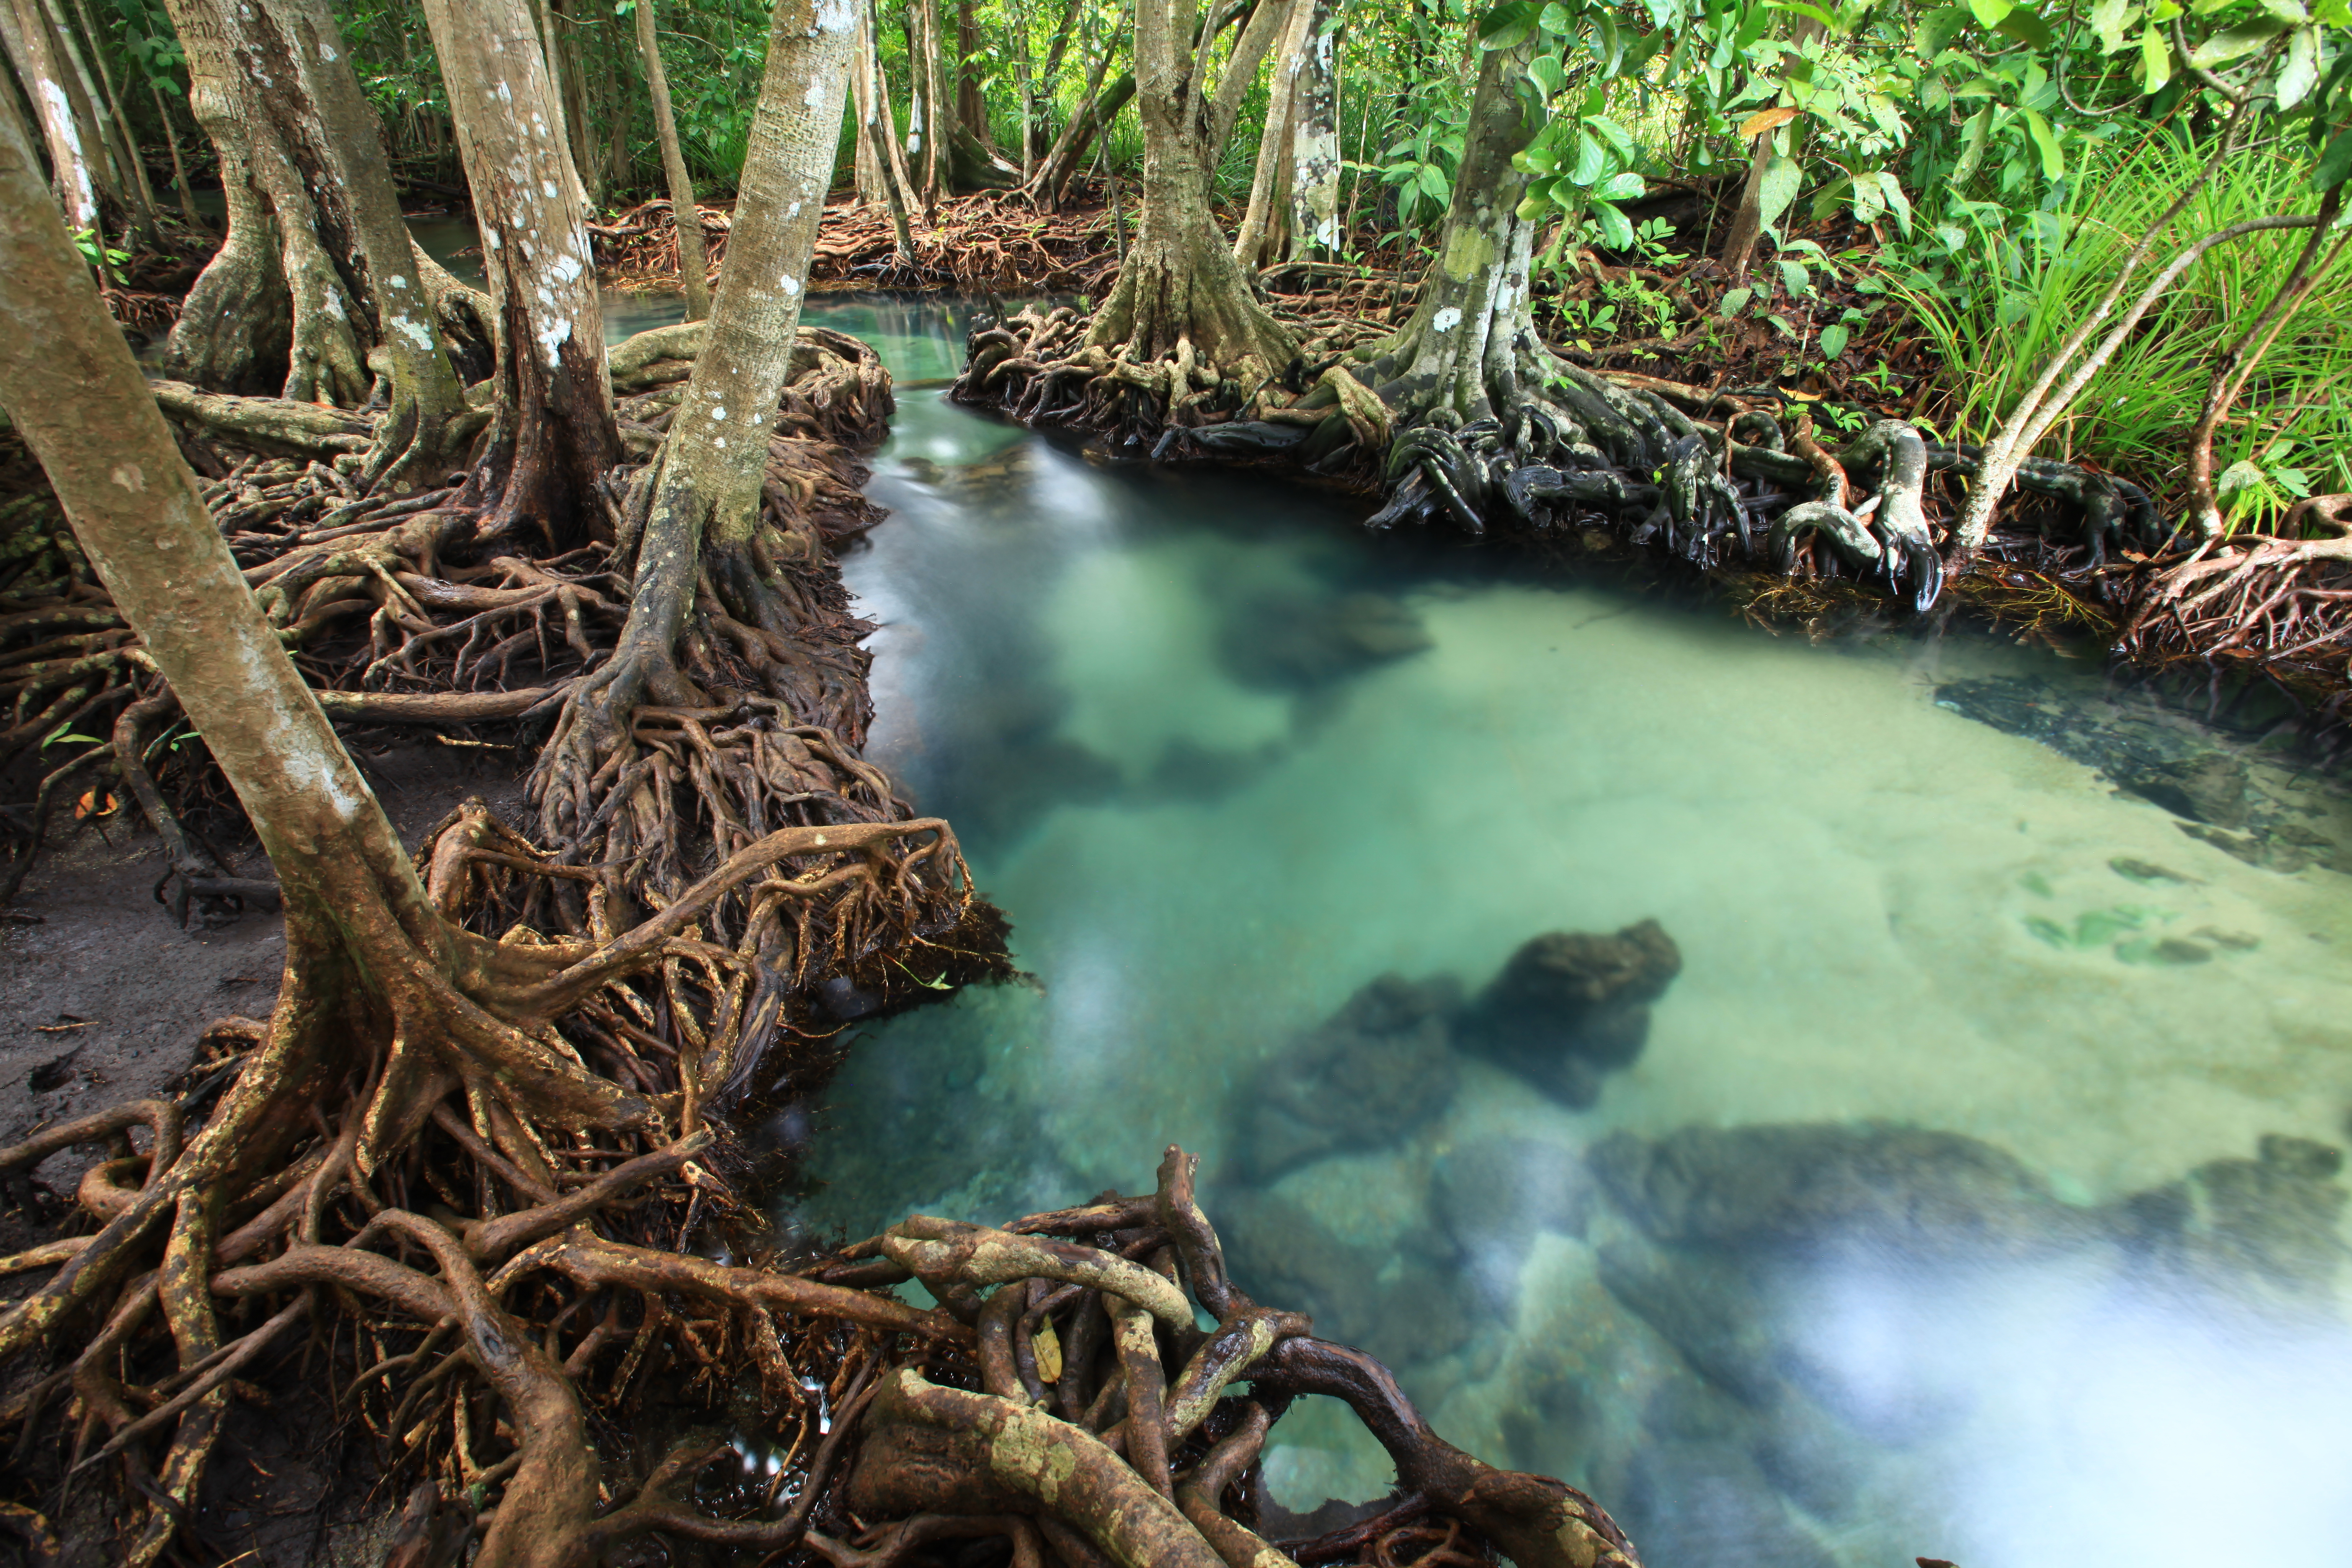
1314	140
555	434
1267	220
704	525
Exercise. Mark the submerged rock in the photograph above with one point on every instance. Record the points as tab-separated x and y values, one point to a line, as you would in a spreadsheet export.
1569	1006
1362	1080
1397	1306
1492	1198
2266	1227
1292	641
1903	1188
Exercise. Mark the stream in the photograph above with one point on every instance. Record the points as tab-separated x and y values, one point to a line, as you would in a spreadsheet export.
1973	1188
1975	1192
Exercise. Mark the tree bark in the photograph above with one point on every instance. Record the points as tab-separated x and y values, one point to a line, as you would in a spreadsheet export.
128	143
693	271
555	433
934	78
1264	223
879	136
304	100
704	522
77	184
1314	140
1179	290
1471	345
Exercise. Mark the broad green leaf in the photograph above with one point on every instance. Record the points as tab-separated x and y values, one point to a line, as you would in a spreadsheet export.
1734	301
1618	137
1591	160
1433	183
1938	28
1991	12
2054	161
1782	322
1896	202
1547	73
1782	178
1556	20
1664	14
1973	137
1538	160
1625	187
2154	59
1796	279
2300	74
2334	14
2334	164
2291	12
2112	20
1606	47
2230	43
1616	228
2025	27
1827	22
1503	18
1834	337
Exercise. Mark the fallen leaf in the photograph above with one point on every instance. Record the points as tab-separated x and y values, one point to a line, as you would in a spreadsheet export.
93	804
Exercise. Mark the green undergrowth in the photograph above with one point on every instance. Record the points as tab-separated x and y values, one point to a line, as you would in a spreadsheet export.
1995	320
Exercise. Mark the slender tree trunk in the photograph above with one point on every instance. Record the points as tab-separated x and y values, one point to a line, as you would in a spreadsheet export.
555	434
563	56
937	76
179	168
899	184
90	110
78	185
1314	140
616	147
704	525
693	271
141	190
1180	294
866	167
1262	226
972	106
1067	155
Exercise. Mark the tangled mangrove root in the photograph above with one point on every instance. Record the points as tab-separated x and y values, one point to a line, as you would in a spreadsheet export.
398	616
1095	1421
2274	601
477	1214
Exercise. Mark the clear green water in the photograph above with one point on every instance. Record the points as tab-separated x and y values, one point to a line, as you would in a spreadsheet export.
1888	913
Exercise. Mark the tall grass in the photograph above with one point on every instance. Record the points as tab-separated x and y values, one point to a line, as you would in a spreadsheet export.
1997	318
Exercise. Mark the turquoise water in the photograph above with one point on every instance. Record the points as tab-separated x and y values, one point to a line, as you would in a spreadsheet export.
2036	1262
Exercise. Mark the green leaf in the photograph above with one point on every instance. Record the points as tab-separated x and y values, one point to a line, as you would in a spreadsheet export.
1616	228
1782	178
1938	28
2026	28
1827	22
1991	12
1796	279
1591	160
1508	25
1547	73
2112	20
2291	12
2054	161
1973	137
1897	203
1624	187
1433	183
2154	59
1618	136
1782	322
2300	74
1556	20
1834	337
2230	43
1664	14
2334	164
1734	301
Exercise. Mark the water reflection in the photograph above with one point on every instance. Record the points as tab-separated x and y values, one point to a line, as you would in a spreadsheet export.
1972	1187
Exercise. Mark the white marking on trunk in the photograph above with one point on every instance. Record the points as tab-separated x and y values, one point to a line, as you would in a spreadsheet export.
552	339
1446	320
413	331
567	267
718	413
327	52
790	287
